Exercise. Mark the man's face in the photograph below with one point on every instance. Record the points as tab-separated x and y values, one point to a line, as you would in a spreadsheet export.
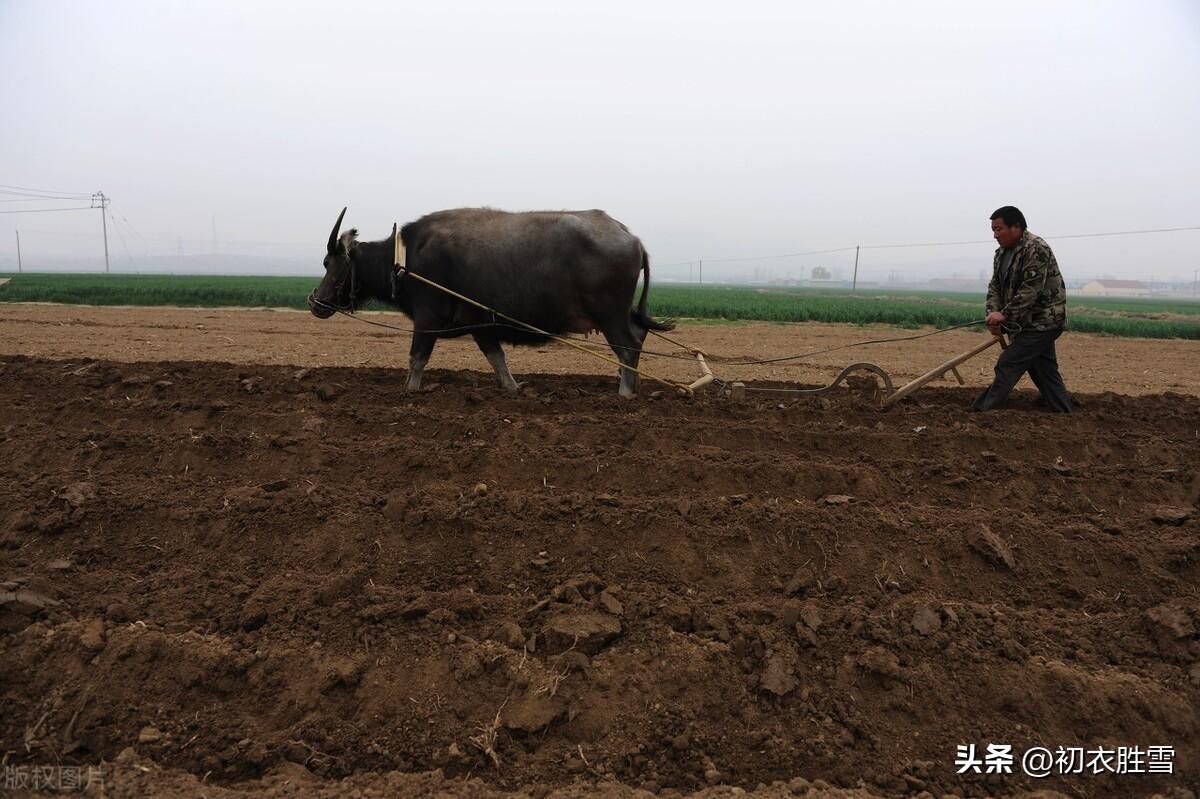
1004	235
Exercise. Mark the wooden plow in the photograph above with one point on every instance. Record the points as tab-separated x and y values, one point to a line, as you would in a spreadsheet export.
933	374
888	395
706	375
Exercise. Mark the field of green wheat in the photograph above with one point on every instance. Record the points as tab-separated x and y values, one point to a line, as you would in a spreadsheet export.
1149	318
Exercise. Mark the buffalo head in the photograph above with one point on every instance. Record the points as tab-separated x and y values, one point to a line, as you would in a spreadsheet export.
337	290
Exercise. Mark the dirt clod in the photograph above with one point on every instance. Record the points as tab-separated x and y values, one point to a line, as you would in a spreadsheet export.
531	713
79	494
509	633
93	635
1172	625
992	547
803	581
1169	515
587	631
149	735
881	661
610	604
926	621
778	677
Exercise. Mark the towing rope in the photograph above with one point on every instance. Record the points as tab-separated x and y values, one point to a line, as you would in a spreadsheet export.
1009	327
677	386
517	324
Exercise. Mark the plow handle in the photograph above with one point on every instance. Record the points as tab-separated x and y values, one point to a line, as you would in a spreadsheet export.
934	374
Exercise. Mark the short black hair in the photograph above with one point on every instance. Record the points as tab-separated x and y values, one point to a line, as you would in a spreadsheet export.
1011	216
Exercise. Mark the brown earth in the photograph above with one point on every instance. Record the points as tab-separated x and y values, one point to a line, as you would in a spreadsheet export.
1090	364
237	577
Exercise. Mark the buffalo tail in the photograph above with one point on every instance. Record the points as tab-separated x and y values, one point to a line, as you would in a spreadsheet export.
640	314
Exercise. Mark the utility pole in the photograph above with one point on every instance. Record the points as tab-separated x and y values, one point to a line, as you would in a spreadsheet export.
854	284
99	197
18	252
701	262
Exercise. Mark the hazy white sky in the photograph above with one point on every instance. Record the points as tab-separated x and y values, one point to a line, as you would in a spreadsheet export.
712	130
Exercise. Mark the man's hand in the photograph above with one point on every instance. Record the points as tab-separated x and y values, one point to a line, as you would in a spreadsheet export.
994	321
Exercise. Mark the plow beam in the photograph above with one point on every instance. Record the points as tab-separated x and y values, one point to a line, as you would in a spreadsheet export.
933	374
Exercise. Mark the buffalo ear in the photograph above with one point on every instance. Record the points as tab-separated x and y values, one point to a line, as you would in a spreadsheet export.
333	237
347	240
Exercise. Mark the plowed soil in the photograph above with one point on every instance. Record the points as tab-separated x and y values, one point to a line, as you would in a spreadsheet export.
286	577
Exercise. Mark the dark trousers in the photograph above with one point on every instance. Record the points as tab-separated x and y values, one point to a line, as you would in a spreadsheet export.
1032	352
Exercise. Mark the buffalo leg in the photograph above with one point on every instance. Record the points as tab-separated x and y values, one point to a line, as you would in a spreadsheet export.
495	354
628	350
638	331
418	356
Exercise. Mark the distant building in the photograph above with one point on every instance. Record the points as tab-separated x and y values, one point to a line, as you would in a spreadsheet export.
1115	288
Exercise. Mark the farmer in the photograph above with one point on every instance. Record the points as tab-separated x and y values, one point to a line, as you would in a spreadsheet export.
1026	297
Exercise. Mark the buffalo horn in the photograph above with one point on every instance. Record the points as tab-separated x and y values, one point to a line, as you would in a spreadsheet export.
336	227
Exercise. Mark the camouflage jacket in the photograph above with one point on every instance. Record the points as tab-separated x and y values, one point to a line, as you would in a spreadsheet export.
1032	294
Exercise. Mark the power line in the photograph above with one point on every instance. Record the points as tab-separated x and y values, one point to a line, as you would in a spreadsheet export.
44	191
1126	232
32	199
1063	236
907	245
133	234
48	210
133	231
24	193
98	200
784	255
923	244
120	235
57	233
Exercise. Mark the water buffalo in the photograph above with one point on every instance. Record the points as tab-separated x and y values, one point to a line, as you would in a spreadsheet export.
561	271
